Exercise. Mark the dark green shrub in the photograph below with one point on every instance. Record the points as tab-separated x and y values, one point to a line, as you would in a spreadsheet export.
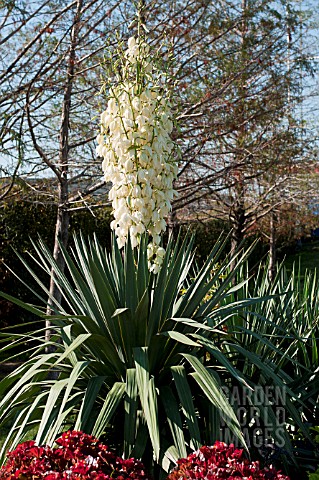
21	221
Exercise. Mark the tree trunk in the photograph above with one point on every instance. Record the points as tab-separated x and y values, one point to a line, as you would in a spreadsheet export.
172	224
238	215
272	247
62	222
61	235
238	227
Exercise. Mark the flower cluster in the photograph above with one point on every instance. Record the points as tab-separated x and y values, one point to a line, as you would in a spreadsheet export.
137	150
78	456
222	462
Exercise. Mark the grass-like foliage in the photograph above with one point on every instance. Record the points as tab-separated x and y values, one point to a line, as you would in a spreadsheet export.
141	358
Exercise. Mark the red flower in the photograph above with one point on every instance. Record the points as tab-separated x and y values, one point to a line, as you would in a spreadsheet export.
221	462
78	456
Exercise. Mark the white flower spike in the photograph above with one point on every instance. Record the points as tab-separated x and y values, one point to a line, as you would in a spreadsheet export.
137	153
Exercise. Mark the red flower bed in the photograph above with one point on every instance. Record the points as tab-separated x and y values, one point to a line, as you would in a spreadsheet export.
220	462
78	456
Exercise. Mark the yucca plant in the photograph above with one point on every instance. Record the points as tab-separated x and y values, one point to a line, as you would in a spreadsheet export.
138	357
283	334
287	323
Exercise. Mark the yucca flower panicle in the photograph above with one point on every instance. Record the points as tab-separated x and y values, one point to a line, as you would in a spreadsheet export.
138	152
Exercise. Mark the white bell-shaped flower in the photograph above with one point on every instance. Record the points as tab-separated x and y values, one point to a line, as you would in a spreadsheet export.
137	153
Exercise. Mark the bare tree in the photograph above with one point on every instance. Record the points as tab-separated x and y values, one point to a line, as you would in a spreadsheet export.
50	77
241	131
